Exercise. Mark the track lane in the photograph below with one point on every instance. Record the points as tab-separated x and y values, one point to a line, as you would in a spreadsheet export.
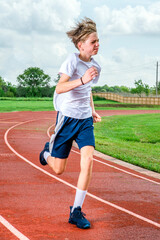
70	185
105	225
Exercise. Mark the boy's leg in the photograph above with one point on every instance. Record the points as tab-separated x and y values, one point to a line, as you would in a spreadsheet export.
84	176
86	167
58	165
76	216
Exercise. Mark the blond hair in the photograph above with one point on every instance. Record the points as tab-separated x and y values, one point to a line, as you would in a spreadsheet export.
81	31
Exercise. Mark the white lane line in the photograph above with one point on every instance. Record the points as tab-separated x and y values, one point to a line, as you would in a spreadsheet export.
12	229
122	170
109	165
72	186
8	122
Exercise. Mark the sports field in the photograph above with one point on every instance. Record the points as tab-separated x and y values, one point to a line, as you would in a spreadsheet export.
133	138
46	104
121	202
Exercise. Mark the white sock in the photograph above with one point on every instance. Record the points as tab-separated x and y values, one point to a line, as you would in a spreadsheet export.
79	198
46	155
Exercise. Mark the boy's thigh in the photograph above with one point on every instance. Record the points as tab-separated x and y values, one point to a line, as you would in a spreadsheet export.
60	163
57	164
85	137
87	151
87	156
61	151
80	130
60	143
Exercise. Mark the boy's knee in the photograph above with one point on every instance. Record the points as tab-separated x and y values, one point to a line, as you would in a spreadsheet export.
59	170
89	160
87	166
57	165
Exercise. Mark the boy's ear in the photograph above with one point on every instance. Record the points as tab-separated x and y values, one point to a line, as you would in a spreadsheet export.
79	45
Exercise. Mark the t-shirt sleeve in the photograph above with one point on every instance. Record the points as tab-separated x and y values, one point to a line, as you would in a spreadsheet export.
68	66
95	80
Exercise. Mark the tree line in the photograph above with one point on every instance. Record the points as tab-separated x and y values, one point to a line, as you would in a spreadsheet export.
139	89
33	82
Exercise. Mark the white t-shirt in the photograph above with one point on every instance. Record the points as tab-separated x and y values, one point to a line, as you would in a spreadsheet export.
76	102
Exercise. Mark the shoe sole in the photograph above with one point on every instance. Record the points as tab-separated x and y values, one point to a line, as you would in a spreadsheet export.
41	158
82	227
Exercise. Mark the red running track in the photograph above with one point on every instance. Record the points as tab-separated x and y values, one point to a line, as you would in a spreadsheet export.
121	203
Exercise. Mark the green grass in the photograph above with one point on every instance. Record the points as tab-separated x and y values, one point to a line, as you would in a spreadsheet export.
134	139
26	98
127	108
99	102
45	104
29	105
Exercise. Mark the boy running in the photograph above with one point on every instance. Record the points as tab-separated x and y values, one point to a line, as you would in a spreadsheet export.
75	113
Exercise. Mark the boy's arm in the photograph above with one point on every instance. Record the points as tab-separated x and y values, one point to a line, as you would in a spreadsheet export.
64	85
96	117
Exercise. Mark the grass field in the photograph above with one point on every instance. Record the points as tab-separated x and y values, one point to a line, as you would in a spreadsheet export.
46	104
134	139
28	105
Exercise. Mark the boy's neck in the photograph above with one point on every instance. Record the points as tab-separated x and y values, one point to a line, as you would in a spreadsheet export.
84	57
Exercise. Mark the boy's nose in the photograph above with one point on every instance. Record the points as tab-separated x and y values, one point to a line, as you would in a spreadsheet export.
97	44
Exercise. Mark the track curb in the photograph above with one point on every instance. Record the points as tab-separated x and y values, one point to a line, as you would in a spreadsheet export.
124	164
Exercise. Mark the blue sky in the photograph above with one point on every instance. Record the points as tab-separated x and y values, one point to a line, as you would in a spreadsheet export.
32	34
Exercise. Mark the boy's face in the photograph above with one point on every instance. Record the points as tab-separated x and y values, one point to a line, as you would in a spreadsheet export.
91	45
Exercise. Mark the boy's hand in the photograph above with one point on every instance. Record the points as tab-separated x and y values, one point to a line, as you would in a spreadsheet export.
90	74
96	117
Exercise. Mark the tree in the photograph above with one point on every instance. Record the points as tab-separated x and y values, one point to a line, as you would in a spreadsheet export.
140	88
6	89
57	79
116	89
158	87
146	89
96	89
11	90
2	82
153	89
33	78
2	85
124	89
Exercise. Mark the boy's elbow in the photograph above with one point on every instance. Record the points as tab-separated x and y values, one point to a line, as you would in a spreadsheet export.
58	90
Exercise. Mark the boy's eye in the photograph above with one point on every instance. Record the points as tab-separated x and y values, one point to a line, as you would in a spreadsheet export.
95	41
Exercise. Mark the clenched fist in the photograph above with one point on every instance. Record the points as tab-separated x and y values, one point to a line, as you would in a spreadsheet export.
90	74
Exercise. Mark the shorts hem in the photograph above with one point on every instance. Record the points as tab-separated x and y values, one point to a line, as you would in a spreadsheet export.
58	156
84	145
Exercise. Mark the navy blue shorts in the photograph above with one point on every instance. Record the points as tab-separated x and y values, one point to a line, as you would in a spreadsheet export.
68	129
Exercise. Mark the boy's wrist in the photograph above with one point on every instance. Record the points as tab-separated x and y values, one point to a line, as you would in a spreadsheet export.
82	81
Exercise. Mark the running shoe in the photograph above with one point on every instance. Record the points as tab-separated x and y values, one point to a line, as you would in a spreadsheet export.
77	218
41	156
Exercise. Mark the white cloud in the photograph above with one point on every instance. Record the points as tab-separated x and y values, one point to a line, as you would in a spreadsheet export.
125	66
48	51
129	20
16	15
32	33
55	15
43	16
